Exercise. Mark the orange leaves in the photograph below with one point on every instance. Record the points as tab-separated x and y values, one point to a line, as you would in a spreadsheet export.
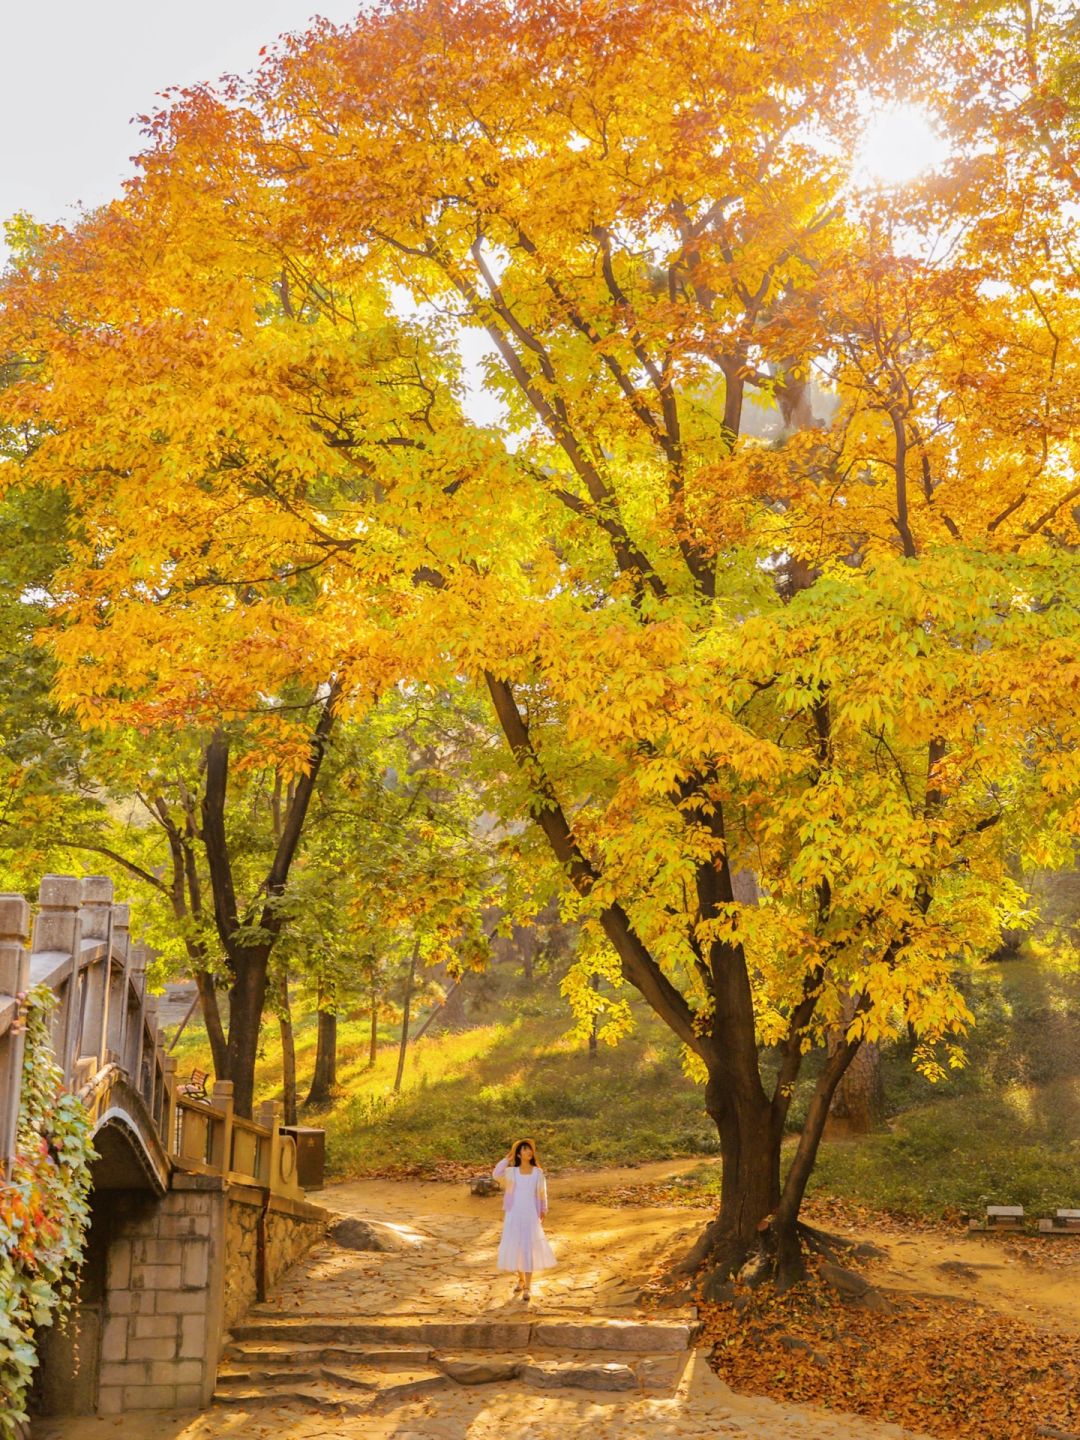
960	1372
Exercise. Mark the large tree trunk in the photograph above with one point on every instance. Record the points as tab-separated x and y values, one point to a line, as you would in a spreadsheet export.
784	1237
288	1052
750	1177
325	1076
247	995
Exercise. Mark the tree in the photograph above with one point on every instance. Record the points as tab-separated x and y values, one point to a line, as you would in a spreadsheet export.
841	657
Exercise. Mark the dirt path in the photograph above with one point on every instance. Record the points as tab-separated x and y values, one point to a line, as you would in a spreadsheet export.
446	1268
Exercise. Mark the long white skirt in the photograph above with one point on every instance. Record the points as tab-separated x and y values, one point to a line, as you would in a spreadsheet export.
524	1245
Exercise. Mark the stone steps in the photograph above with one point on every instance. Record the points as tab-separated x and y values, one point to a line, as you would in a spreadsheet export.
253	1353
653	1337
353	1365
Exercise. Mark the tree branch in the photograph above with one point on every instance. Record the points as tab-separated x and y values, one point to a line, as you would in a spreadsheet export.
638	966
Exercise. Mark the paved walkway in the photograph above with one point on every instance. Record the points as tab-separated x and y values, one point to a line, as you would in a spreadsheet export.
446	1270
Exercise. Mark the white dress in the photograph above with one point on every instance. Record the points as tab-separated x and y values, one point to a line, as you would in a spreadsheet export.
524	1245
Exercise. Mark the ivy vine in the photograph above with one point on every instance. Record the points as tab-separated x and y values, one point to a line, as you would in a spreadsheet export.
44	1212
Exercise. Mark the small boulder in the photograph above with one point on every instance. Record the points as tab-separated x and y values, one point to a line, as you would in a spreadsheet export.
352	1233
796	1342
484	1185
876	1302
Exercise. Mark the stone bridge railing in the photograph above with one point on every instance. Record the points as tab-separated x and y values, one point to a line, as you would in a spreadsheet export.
107	1043
195	1211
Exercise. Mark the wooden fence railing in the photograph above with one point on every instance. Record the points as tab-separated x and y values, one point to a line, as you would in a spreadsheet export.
105	1022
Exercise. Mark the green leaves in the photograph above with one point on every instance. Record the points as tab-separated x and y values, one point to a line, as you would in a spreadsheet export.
44	1211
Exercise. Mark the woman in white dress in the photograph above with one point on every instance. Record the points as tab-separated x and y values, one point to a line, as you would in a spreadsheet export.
523	1247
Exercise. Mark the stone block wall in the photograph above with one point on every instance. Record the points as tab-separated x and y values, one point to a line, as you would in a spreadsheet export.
291	1227
161	1327
166	1277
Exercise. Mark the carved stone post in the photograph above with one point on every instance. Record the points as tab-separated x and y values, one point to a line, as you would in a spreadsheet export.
95	912
133	1038
58	930
170	1124
267	1115
112	1042
14	981
221	1098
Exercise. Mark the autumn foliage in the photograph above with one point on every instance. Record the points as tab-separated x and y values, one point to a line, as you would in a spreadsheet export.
730	621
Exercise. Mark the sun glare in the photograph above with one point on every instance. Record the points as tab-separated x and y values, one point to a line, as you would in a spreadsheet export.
898	145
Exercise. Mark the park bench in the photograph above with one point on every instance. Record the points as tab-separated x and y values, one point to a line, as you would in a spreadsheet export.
1062	1222
194	1088
1000	1217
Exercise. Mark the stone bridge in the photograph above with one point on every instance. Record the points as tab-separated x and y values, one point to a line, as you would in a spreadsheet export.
195	1210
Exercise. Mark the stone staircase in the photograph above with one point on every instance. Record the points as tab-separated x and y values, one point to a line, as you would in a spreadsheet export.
351	1366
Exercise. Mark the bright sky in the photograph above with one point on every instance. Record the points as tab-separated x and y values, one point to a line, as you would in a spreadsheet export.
74	72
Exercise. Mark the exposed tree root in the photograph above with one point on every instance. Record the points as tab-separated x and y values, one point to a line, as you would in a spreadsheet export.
725	1266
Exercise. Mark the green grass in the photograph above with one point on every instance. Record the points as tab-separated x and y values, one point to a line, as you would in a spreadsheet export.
467	1095
1005	1130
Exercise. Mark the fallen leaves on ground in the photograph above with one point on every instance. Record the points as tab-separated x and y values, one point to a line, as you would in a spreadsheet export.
673	1192
454	1171
961	1372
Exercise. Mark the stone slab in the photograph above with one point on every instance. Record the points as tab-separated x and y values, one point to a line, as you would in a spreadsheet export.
441	1334
559	1375
639	1336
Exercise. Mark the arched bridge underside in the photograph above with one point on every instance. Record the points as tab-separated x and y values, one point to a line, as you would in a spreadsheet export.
131	1155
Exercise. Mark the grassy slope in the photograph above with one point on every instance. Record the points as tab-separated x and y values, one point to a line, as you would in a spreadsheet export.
465	1096
1007	1129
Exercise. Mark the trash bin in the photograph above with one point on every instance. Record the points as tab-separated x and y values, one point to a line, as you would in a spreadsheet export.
310	1154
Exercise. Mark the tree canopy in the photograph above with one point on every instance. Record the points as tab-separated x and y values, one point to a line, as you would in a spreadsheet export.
768	564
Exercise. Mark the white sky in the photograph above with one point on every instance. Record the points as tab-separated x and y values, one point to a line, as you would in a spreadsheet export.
74	72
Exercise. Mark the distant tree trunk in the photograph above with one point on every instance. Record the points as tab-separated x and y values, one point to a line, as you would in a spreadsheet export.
528	950
373	1048
859	1100
452	1011
594	982
405	1019
860	1097
215	1031
288	1051
325	1076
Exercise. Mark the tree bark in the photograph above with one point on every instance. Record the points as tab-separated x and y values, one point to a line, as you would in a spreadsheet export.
784	1230
859	1101
325	1076
247	998
405	1019
249	965
373	1047
215	1031
288	1052
594	984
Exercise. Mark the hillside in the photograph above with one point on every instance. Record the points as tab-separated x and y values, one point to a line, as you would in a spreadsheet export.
1007	1128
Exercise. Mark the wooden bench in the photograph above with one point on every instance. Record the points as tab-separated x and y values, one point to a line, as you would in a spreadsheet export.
194	1088
1000	1217
1062	1222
